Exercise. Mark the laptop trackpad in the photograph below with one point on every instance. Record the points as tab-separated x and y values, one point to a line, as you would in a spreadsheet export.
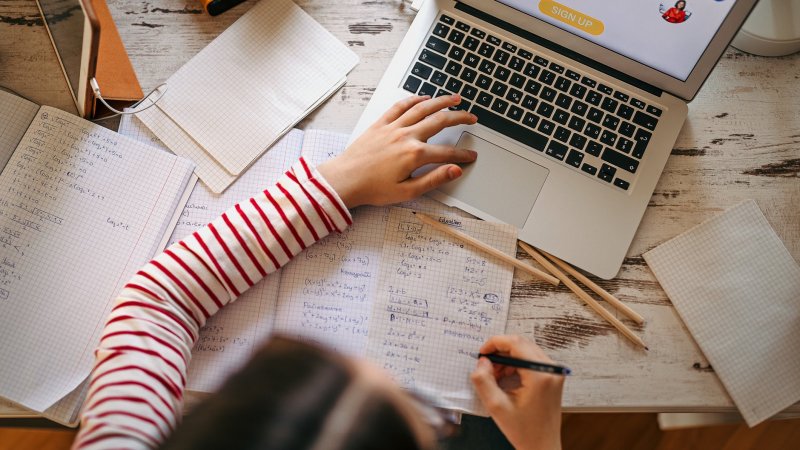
499	183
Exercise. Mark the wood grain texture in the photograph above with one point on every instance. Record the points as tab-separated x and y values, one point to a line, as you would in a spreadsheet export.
741	140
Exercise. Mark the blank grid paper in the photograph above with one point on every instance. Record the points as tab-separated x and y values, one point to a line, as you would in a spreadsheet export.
180	143
737	289
84	208
255	81
438	301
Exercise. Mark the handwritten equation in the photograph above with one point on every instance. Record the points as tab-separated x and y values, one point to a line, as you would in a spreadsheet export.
437	301
58	163
326	292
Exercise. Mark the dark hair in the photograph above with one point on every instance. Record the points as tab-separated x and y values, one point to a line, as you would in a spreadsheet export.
681	1
283	399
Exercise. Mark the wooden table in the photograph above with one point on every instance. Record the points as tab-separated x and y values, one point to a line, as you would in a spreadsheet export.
741	140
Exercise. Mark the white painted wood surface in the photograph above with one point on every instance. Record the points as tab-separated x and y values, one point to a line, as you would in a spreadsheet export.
741	140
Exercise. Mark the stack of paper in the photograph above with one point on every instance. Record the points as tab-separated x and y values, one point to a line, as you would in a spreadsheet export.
737	289
247	88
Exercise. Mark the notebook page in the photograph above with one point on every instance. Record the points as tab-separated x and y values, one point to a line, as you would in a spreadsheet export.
438	301
737	289
180	143
16	114
229	338
134	128
67	411
327	291
82	209
254	81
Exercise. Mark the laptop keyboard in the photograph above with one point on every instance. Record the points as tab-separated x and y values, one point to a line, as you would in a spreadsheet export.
558	111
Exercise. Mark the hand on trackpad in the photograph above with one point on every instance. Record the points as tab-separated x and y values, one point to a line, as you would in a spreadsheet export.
500	183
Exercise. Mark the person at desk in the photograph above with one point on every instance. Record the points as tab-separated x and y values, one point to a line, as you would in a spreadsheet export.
292	395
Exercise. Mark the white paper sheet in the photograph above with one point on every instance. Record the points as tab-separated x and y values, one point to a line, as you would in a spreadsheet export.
255	81
737	289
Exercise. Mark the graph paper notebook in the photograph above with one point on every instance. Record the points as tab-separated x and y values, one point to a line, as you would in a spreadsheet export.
737	289
250	85
438	301
326	294
81	209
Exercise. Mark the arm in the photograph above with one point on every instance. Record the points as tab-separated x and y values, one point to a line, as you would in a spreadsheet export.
136	387
137	384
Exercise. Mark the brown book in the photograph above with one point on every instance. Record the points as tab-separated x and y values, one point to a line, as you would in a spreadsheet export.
114	73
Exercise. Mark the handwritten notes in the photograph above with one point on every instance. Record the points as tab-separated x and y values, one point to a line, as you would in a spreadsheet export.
81	208
327	291
438	300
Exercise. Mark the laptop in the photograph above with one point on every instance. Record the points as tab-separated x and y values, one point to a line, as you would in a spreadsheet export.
578	102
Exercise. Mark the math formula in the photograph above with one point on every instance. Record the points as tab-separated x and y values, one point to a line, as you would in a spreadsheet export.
438	300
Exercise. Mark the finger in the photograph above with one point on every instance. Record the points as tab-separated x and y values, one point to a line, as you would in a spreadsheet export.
399	108
490	394
441	120
432	153
507	371
515	346
424	109
432	180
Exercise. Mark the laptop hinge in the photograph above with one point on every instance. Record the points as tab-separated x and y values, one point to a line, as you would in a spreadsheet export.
558	49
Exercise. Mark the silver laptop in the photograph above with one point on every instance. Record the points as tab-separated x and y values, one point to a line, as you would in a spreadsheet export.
578	105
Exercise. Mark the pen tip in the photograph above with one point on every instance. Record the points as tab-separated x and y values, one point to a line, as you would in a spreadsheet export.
413	212
647	348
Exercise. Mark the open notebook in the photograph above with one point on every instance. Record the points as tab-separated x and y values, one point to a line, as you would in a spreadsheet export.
404	295
247	88
81	209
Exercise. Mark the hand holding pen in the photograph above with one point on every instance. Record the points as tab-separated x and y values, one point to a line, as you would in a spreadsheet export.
528	413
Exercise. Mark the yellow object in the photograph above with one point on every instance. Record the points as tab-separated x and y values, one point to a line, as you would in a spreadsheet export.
572	17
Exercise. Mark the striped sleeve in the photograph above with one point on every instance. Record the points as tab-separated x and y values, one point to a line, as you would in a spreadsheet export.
137	384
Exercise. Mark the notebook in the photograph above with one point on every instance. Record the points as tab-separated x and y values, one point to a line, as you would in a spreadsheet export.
329	293
81	209
247	88
737	289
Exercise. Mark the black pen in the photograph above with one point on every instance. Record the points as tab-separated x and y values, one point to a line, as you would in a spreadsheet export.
532	365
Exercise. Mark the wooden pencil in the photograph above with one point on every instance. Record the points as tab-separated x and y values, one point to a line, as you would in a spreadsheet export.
487	248
625	309
592	303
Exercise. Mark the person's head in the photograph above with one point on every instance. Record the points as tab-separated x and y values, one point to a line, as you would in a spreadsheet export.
293	395
680	4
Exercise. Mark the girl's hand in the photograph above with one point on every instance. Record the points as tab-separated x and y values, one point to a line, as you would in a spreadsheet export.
529	414
376	168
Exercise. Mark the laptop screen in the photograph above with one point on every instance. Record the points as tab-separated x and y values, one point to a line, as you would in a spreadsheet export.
669	36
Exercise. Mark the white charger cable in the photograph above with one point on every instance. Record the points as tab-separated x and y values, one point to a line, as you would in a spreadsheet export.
96	89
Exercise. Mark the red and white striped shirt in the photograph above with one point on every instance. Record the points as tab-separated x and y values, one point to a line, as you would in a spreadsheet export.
137	384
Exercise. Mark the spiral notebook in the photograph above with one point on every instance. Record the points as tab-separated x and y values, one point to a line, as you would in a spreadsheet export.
737	289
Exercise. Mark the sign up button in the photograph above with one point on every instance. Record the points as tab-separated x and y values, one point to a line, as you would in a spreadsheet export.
571	17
